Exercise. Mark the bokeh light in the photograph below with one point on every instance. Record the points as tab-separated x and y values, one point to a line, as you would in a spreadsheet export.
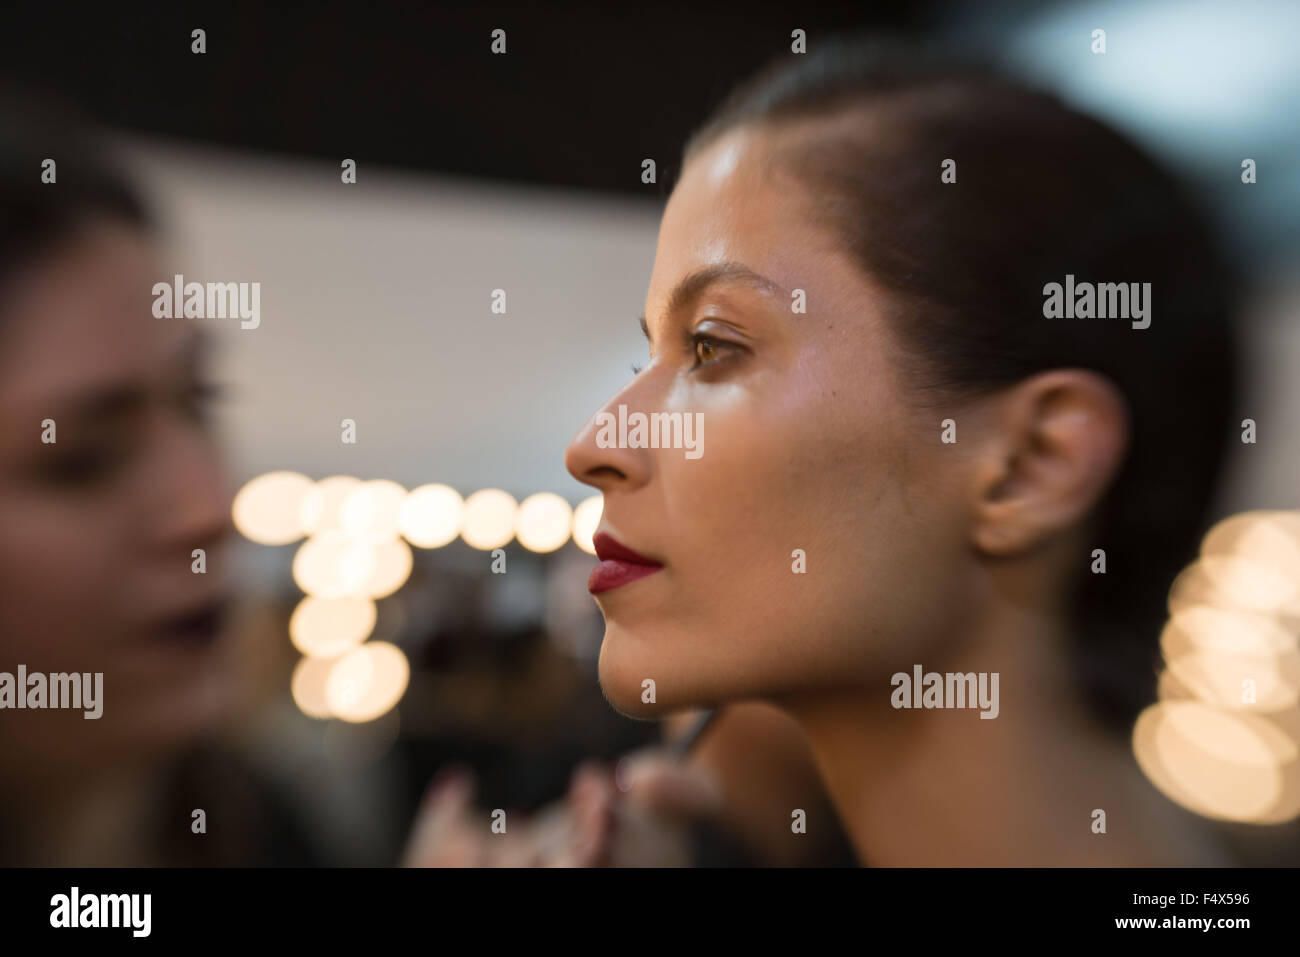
333	567
267	509
431	516
367	682
327	627
370	511
1223	740
308	686
1226	766
543	522
489	519
585	519
322	507
390	568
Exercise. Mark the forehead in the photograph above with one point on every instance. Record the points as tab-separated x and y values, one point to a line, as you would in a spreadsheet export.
82	315
736	201
732	204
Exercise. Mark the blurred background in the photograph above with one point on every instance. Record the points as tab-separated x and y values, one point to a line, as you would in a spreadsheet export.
523	173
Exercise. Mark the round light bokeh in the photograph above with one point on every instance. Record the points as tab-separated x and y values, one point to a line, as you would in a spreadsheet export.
308	683
1221	765
322	507
585	519
370	511
431	516
489	519
391	567
267	509
543	522
334	567
328	627
367	682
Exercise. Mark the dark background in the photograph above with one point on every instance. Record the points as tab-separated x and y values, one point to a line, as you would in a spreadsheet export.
378	85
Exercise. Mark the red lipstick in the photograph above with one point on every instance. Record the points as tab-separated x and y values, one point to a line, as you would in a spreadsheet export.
619	565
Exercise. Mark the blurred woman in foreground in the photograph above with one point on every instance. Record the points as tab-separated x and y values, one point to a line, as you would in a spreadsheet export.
110	479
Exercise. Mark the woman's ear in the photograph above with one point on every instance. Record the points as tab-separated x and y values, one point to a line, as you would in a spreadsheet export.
1053	445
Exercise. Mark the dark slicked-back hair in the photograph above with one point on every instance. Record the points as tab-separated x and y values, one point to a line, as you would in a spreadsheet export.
35	215
1041	191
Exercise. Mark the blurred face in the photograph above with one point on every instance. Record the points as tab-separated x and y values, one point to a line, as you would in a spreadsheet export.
100	525
801	550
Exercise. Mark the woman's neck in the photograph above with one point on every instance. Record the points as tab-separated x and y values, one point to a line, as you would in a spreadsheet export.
944	786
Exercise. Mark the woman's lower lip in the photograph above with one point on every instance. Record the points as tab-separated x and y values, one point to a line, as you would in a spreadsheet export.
613	572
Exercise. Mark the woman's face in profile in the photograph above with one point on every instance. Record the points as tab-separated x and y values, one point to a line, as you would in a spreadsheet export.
96	567
811	447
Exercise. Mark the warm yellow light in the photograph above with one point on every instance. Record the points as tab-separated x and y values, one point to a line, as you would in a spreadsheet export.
489	519
367	682
1227	766
1232	630
333	566
266	510
543	522
370	511
327	627
322	506
585	519
1192	586
308	686
1269	537
431	516
391	568
1250	583
1235	681
1169	688
1224	739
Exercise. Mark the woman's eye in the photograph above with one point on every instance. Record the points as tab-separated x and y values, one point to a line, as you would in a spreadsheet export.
83	467
708	350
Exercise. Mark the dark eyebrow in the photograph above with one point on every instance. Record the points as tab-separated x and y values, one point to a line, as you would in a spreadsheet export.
110	402
113	400
692	286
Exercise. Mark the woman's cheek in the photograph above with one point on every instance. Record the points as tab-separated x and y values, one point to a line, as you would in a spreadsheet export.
50	567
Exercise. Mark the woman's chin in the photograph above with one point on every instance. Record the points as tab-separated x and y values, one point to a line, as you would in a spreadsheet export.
641	681
631	678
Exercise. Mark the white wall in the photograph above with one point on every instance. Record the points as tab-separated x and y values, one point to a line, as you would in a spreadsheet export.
375	307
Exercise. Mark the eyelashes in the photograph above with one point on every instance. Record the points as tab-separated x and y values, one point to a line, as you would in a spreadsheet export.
707	351
710	351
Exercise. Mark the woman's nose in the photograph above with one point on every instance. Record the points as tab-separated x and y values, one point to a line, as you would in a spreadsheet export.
599	455
189	491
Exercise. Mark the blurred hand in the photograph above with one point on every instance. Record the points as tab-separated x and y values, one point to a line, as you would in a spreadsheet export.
657	799
637	815
449	831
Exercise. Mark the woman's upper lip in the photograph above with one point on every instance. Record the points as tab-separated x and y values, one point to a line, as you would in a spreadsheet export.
608	547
